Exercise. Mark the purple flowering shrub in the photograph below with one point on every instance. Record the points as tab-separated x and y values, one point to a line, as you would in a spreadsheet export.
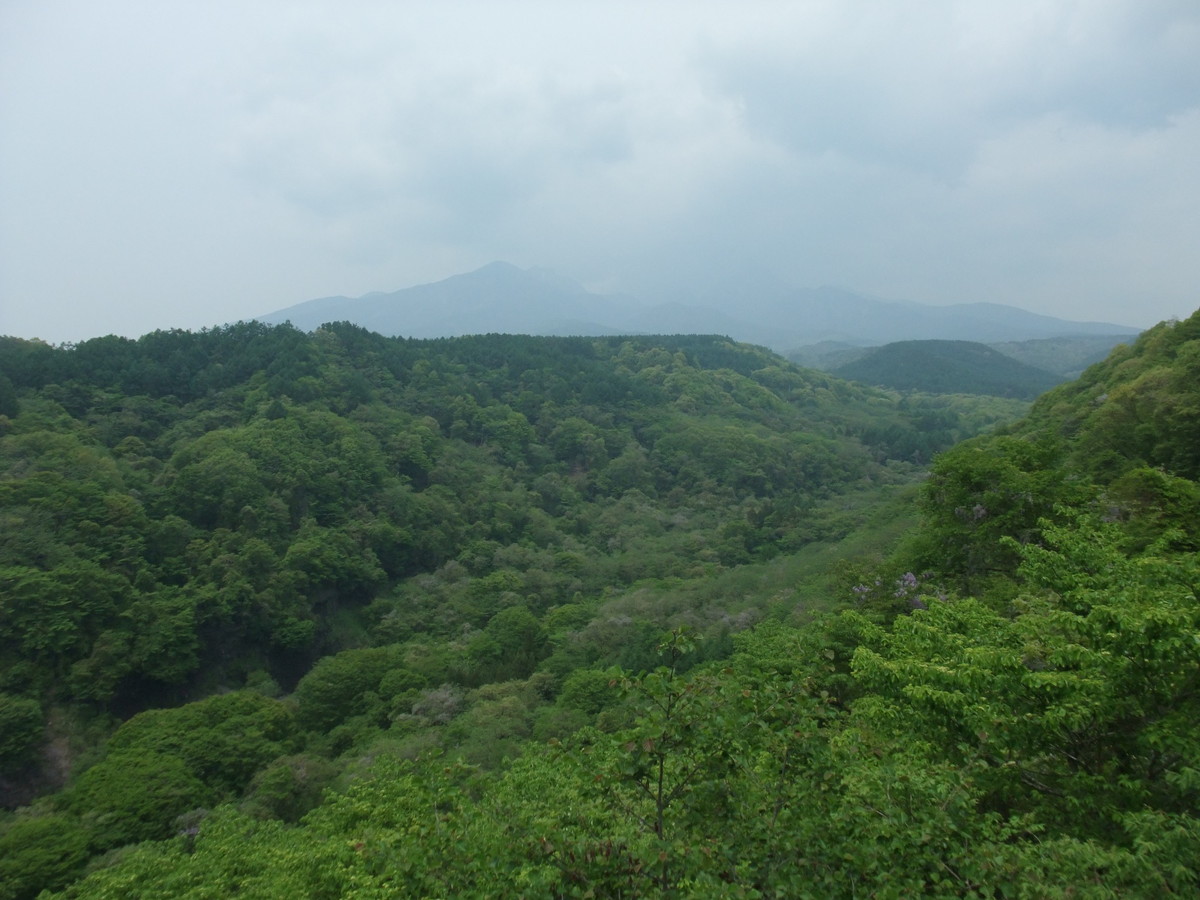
900	594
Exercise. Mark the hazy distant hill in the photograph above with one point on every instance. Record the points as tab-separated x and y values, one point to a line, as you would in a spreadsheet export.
948	367
1065	356
498	298
827	355
505	299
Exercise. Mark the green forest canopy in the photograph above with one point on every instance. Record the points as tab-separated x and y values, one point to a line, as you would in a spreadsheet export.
964	367
467	617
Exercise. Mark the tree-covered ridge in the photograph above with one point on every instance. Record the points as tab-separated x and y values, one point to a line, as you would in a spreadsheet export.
947	367
1140	407
1120	441
1008	710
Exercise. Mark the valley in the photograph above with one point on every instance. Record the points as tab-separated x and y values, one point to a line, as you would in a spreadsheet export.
628	615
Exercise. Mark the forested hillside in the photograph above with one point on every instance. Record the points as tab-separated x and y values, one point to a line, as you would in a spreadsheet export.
1066	357
943	367
506	616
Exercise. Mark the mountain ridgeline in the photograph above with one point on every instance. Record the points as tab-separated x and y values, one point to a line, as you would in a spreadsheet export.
333	614
500	297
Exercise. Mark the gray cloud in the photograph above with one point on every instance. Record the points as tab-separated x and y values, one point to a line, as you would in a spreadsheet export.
880	84
181	166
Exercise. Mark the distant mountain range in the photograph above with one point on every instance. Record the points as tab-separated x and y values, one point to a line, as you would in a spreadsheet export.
501	298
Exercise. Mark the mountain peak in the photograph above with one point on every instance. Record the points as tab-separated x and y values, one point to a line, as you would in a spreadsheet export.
501	297
507	273
496	267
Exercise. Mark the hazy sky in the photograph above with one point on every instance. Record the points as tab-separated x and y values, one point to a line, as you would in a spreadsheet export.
184	164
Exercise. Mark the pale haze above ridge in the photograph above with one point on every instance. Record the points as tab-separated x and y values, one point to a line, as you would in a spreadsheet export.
183	165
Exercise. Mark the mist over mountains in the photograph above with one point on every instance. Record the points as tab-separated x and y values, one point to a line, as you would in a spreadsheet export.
502	298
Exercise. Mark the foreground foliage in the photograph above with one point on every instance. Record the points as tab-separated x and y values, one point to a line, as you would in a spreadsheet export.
1049	753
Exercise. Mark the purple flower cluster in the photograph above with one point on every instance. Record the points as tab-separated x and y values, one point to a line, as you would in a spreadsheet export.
907	587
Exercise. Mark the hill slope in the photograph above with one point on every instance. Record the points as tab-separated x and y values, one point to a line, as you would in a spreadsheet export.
186	510
945	367
1064	356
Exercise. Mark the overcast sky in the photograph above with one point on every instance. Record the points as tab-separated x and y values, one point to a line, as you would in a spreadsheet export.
185	164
